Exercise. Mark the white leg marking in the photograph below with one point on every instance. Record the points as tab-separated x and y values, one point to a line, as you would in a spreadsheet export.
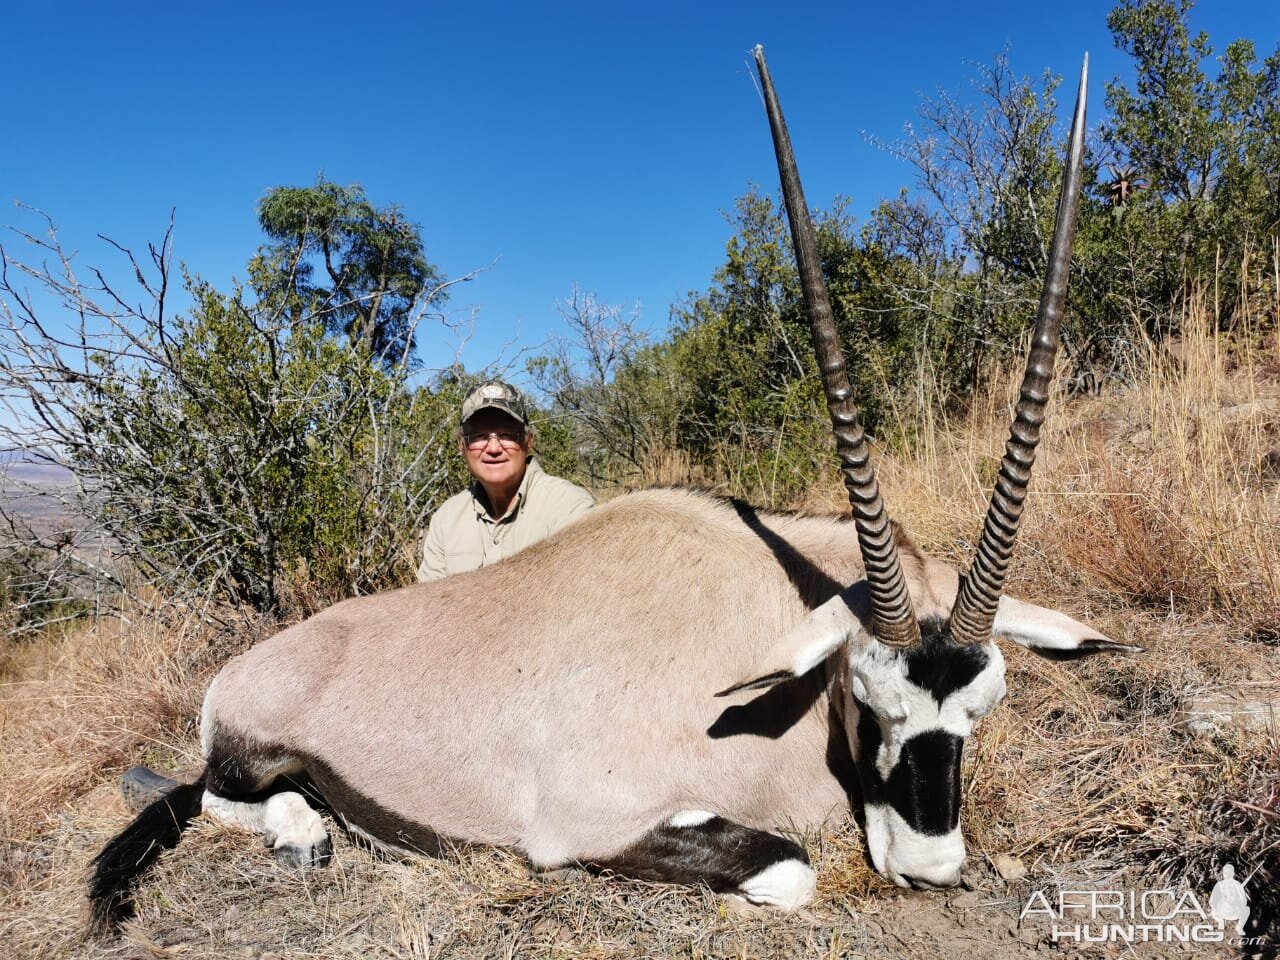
787	884
251	816
291	828
690	818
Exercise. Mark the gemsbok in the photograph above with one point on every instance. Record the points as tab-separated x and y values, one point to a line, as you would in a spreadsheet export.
563	703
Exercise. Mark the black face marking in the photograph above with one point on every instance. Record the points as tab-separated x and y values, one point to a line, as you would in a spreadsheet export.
941	666
720	853
924	785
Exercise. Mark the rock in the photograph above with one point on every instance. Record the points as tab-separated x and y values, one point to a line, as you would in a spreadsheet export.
1008	866
1228	707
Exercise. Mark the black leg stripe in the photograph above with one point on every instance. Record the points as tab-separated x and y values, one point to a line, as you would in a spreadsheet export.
719	853
236	772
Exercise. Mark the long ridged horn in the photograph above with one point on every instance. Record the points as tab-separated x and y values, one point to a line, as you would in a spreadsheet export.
894	620
975	608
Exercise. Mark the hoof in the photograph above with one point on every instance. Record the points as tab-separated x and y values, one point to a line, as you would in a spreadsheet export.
299	856
142	787
787	885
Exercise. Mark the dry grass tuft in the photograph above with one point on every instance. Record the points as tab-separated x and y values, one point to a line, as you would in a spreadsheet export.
100	701
1182	507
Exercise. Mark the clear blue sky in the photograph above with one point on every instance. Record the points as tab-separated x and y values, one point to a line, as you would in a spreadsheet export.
588	143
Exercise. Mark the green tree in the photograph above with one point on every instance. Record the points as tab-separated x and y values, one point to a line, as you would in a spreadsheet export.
232	451
738	379
358	267
1207	148
986	172
599	427
1168	124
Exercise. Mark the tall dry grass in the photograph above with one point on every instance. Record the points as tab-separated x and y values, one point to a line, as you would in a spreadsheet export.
77	709
1163	495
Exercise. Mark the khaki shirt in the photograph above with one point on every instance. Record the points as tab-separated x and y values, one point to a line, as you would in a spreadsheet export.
462	536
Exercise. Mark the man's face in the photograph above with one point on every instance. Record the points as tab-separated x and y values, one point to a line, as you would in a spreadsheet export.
496	447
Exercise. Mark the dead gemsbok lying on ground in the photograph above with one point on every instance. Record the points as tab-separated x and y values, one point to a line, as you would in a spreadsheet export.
563	702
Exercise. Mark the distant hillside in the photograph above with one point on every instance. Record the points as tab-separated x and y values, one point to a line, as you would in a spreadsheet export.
31	490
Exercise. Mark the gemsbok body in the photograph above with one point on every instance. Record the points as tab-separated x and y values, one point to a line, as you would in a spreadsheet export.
661	689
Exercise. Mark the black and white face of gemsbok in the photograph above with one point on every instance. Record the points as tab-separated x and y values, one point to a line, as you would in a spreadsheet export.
907	710
908	714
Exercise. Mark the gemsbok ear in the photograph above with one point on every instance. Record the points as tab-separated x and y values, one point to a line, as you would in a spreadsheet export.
1051	634
810	641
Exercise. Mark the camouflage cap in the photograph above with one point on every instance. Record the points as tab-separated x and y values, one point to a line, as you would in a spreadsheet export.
494	395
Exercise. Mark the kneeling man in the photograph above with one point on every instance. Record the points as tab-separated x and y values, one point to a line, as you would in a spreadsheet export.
512	502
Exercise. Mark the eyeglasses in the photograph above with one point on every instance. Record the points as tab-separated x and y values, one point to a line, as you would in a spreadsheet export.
509	439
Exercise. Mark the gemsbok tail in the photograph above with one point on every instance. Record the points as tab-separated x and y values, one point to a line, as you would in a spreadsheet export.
123	861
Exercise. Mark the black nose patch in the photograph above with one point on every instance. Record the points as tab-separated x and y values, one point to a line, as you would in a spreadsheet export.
924	785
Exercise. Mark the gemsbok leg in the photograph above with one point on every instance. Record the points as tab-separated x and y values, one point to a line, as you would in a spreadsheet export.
247	785
238	785
696	846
